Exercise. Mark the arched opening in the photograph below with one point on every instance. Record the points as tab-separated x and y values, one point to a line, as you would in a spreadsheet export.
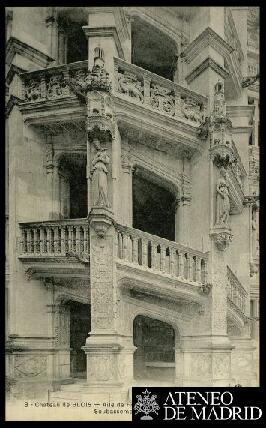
153	207
154	357
152	49
73	186
80	325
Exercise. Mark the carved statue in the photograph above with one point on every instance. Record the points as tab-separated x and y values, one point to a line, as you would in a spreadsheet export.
129	85
100	171
223	201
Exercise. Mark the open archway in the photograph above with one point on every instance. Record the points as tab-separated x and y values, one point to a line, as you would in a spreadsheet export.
152	49
154	357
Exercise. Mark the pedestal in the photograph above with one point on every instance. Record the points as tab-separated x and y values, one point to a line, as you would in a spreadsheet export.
206	361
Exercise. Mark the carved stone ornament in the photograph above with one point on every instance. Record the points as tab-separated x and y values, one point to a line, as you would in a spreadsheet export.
96	79
100	219
129	85
99	172
205	288
222	200
222	237
203	130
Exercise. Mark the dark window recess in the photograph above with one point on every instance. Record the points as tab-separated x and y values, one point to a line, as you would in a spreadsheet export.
155	343
80	325
78	192
77	46
153	208
153	50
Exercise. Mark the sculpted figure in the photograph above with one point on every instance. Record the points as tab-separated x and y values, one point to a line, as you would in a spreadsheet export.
33	91
130	86
223	201
100	171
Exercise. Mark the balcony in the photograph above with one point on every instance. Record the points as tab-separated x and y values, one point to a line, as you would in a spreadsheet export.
61	248
158	94
150	264
236	297
55	248
51	88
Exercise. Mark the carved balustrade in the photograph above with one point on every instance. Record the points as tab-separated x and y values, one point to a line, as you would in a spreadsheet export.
236	294
158	93
132	82
161	256
55	238
52	83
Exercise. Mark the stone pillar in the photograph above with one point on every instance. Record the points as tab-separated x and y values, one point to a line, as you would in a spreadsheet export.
127	201
109	355
53	188
102	33
52	29
245	369
108	352
182	218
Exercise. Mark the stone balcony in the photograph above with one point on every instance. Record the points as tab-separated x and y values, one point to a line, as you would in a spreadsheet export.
158	94
152	265
58	248
141	100
61	249
236	298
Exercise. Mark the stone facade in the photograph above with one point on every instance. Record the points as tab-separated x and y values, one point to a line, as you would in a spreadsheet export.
132	197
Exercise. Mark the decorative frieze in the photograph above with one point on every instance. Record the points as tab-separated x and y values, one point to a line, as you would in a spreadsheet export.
159	94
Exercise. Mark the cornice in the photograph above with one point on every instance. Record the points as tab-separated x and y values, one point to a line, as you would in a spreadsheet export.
13	70
13	101
208	62
162	26
15	45
240	111
105	32
242	130
207	38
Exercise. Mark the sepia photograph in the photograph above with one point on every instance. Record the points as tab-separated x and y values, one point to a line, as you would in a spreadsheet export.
132	205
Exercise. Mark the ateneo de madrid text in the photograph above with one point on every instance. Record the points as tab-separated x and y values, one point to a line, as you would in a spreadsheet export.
132	200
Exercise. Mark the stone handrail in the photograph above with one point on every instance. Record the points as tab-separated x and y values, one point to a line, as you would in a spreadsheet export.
162	256
55	238
236	293
157	93
51	83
